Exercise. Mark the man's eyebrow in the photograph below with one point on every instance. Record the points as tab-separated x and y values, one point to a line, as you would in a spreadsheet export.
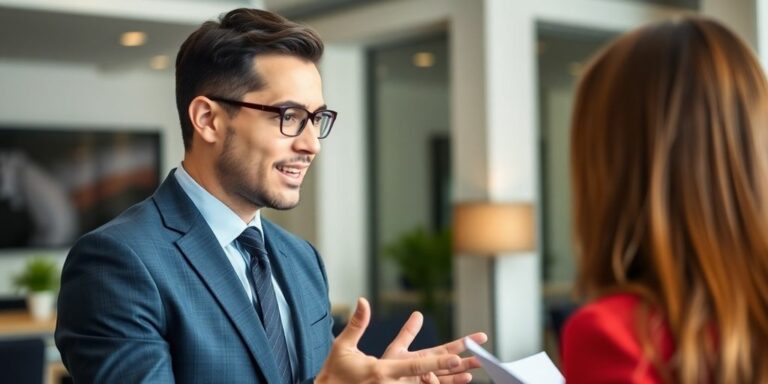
289	103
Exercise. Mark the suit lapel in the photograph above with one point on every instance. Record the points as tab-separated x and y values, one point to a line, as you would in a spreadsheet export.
203	252
284	269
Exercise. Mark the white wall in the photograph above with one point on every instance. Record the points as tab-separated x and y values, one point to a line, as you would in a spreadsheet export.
60	96
739	15
761	12
341	198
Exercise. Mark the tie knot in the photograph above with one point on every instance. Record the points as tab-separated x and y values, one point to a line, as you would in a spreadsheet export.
253	241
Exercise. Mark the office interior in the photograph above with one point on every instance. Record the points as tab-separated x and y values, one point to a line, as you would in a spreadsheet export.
441	102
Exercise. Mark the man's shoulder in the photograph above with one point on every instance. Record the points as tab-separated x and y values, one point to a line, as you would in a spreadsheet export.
136	234
140	220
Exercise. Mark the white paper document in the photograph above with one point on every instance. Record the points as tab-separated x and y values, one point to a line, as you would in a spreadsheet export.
535	369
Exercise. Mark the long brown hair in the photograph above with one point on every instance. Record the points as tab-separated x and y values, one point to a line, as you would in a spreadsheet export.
669	166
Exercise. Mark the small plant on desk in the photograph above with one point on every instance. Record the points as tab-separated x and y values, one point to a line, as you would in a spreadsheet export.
40	281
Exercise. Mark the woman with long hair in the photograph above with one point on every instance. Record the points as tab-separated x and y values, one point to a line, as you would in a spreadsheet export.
669	165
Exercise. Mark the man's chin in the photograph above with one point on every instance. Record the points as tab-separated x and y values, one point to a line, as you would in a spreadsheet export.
284	207
284	203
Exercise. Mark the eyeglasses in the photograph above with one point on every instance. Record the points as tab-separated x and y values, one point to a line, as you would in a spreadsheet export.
293	120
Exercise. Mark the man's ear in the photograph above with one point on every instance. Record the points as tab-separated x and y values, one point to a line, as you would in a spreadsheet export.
206	117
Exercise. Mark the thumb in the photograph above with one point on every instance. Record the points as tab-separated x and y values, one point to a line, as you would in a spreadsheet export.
357	324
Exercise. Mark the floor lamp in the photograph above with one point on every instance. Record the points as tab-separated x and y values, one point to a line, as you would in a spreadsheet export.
490	229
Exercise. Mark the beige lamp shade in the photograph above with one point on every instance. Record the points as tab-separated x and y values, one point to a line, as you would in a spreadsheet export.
484	229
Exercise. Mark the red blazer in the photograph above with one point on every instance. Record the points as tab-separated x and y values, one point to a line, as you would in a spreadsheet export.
600	344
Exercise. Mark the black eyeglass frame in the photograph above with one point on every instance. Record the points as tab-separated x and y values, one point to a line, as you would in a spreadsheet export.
281	111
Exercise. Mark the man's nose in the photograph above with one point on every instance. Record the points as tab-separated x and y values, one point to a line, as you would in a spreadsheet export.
307	141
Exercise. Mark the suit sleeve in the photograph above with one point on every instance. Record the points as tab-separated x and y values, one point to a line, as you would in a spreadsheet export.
601	347
110	316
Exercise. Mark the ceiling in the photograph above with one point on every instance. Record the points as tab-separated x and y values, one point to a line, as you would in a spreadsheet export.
83	39
88	31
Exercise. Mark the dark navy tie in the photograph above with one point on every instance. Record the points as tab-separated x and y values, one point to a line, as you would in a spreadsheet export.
267	307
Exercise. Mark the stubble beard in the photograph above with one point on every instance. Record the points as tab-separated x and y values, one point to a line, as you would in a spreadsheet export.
235	179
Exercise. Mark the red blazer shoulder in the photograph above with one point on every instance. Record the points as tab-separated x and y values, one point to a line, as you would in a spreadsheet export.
600	344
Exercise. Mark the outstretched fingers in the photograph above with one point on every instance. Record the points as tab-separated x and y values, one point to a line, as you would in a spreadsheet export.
459	378
356	326
418	366
467	363
406	336
454	347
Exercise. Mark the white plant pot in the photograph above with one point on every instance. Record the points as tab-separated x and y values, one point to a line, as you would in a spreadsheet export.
40	305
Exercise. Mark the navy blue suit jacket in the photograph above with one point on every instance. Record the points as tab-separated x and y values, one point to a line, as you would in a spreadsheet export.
151	297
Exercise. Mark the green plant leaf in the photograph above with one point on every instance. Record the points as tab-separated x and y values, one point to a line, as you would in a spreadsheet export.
425	261
40	274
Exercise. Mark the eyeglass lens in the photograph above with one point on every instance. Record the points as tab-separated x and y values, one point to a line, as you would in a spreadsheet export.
294	120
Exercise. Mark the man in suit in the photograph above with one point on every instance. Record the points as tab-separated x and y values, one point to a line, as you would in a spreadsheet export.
192	285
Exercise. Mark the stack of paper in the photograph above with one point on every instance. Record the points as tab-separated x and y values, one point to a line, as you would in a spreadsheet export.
536	369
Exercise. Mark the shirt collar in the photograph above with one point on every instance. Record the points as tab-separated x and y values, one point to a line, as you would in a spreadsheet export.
224	222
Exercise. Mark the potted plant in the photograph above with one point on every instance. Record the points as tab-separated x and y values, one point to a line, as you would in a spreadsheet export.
40	280
425	261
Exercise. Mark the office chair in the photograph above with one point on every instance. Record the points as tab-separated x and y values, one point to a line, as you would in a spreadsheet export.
22	360
12	303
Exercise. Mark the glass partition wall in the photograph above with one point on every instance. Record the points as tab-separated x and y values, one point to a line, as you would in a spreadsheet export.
409	179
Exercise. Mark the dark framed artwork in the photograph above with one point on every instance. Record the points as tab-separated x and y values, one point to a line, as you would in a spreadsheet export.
56	185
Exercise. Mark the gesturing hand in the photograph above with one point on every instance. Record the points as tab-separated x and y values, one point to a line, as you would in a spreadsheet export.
398	349
347	364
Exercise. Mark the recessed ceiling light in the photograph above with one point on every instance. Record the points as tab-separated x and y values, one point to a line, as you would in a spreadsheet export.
159	62
133	39
424	59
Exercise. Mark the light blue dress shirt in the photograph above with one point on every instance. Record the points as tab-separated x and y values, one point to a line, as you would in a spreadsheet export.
227	226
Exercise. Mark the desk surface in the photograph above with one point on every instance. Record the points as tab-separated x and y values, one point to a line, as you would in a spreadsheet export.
21	323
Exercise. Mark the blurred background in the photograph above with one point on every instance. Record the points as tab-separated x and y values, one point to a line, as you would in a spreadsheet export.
451	113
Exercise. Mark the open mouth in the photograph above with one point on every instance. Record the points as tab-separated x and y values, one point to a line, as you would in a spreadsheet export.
289	171
293	170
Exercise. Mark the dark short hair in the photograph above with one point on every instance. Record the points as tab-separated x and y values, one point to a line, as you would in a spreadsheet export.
218	58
